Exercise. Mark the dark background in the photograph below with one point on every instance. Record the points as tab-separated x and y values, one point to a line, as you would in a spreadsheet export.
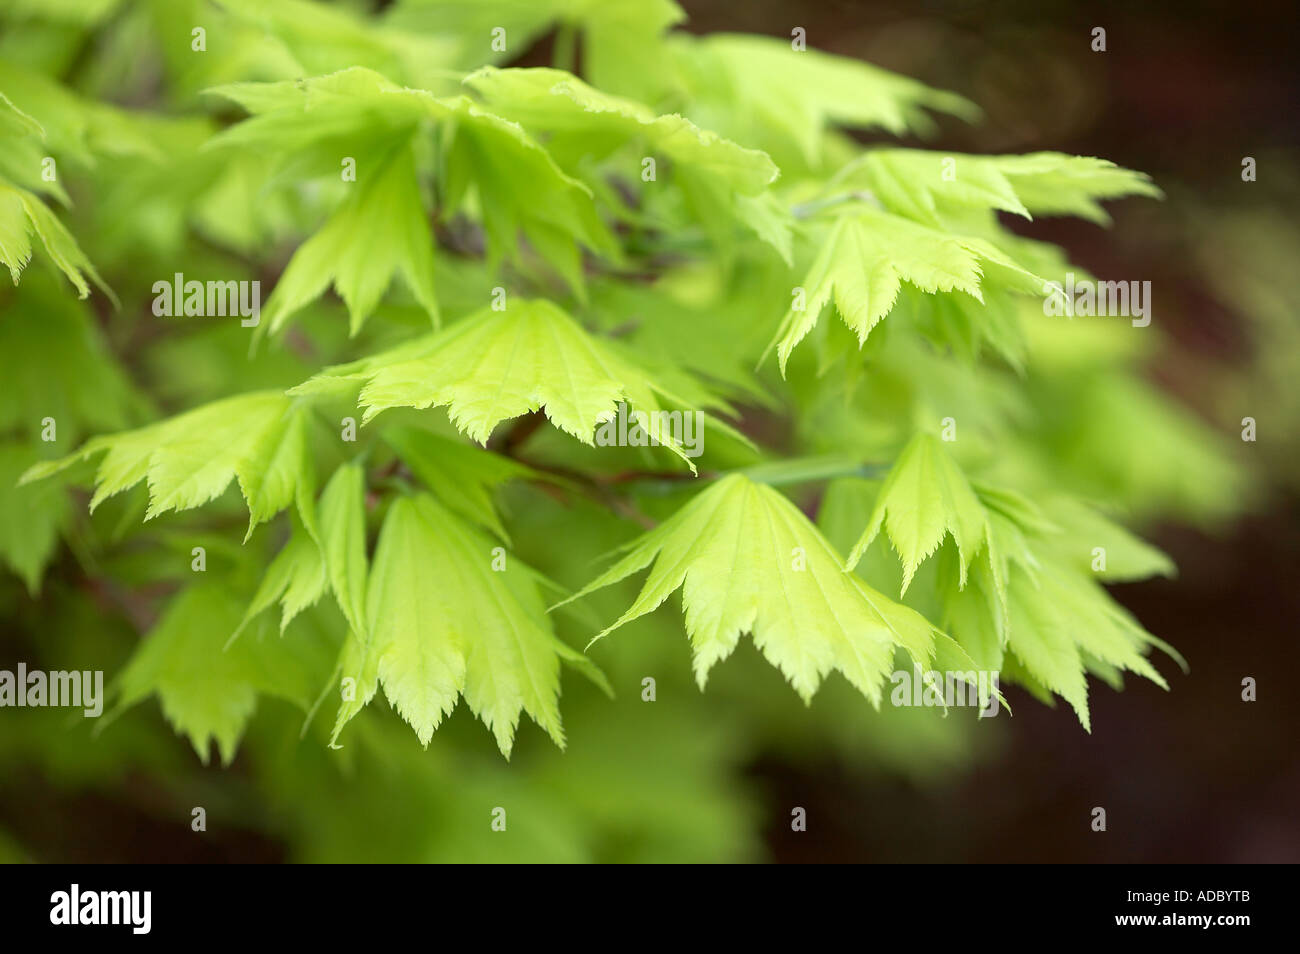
1183	92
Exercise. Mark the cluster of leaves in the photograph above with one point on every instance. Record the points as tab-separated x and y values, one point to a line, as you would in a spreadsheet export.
644	236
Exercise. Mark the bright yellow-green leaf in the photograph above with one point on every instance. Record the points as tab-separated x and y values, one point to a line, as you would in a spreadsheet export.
1062	615
296	577
558	102
762	93
351	104
21	215
868	254
451	614
460	475
208	689
1123	555
924	186
925	497
913	183
747	560
1051	183
342	518
496	365
381	231
190	459
518	188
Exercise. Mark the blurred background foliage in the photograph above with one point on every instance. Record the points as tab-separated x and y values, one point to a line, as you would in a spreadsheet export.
1180	93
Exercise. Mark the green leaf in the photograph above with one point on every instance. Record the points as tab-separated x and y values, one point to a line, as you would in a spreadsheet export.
491	167
285	466
517	187
1126	556
23	214
354	105
31	518
964	325
80	129
623	49
342	515
748	560
1062	617
381	231
296	577
925	498
531	179
56	362
1032	593
1052	183
928	187
866	257
1026	604
496	365
318	37
797	470
1015	525
761	92
16	124
770	220
561	104
208	691
359	671
461	476
443	621
191	459
917	184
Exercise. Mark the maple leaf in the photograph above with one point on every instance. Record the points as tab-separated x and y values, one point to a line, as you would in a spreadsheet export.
1060	621
868	254
22	215
460	475
342	537
519	188
443	621
208	687
31	518
915	183
291	118
924	498
379	232
761	92
487	165
259	438
575	114
931	187
1052	183
313	37
495	365
747	560
296	578
512	167
1017	590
